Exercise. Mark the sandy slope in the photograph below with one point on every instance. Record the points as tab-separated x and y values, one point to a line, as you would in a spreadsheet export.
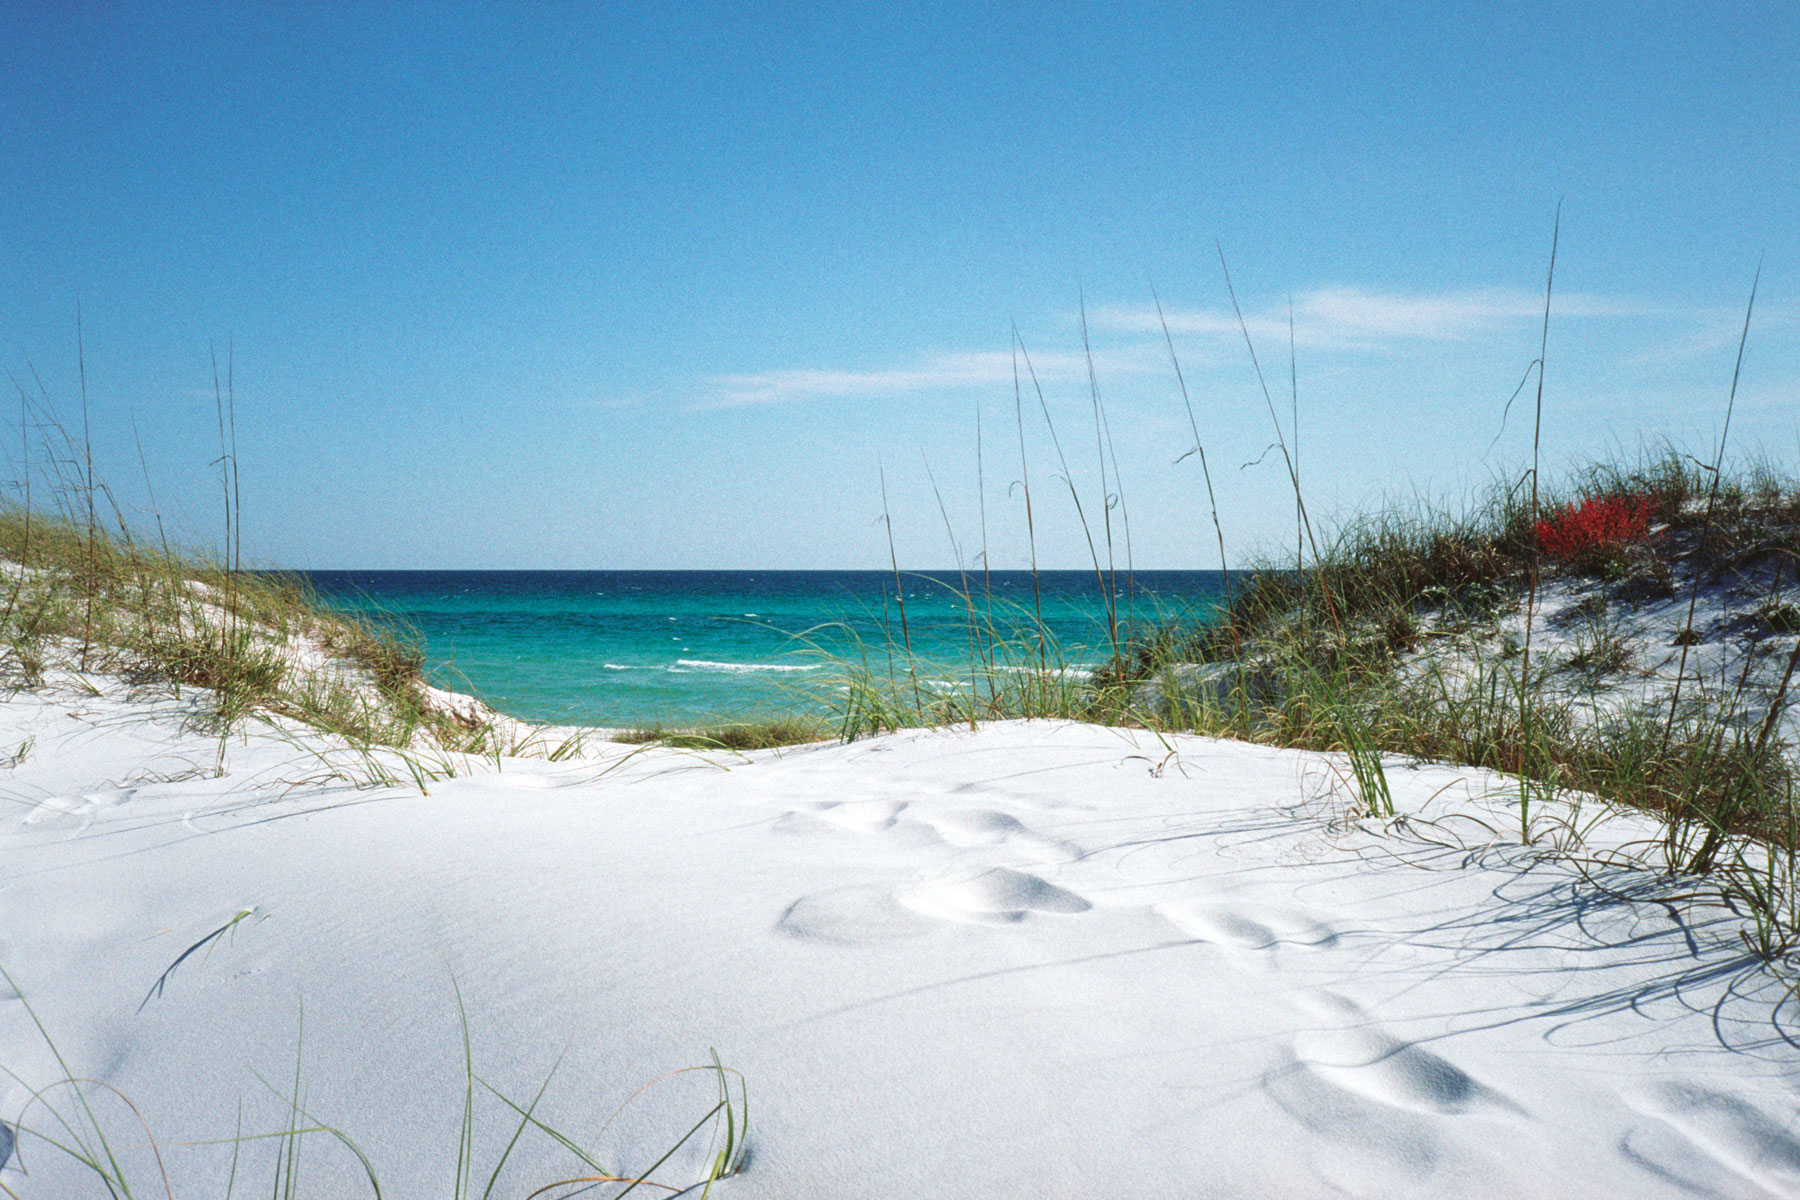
1037	960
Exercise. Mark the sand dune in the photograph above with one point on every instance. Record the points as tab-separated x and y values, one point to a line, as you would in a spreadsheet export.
1036	959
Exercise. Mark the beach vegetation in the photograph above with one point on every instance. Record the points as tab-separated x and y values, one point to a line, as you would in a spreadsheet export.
1403	638
83	590
1539	631
759	734
243	642
72	1117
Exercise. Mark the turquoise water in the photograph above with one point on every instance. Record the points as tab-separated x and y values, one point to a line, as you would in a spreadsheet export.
638	647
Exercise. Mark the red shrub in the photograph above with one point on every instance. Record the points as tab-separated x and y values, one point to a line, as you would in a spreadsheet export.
1598	523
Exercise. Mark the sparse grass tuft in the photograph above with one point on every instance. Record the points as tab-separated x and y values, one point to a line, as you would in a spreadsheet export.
64	1118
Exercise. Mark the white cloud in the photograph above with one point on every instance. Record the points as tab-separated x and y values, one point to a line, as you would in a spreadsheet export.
1330	318
1352	316
932	373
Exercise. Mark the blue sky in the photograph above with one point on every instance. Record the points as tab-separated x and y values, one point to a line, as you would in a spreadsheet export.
515	285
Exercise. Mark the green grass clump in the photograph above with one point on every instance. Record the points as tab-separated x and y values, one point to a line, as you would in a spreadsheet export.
764	734
1348	624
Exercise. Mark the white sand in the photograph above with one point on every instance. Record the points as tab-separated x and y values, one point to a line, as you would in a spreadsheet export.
1038	960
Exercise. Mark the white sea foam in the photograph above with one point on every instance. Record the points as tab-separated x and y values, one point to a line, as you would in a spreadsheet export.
1066	669
725	668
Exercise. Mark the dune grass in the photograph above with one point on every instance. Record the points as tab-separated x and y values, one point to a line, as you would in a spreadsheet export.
101	600
82	590
1403	636
765	733
67	1117
1416	631
1416	592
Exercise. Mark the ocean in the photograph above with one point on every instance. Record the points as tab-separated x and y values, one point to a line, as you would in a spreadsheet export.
637	648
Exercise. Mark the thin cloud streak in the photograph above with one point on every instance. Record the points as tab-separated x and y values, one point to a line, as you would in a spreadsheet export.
1330	318
934	373
1348	317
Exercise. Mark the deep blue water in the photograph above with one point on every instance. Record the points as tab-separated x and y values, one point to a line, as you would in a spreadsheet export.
637	647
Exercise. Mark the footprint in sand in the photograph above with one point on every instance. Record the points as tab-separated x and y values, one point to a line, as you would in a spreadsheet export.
971	827
976	826
995	897
858	817
1268	928
864	816
1356	1054
1355	1145
1667	1155
1375	1103
1386	1069
1727	1129
850	916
